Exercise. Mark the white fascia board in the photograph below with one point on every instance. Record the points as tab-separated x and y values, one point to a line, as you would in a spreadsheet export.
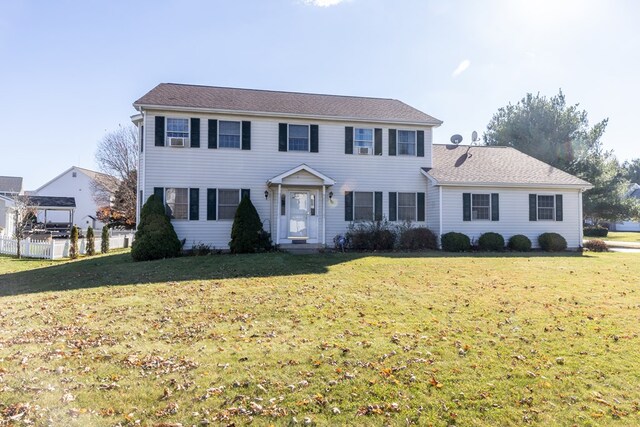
517	185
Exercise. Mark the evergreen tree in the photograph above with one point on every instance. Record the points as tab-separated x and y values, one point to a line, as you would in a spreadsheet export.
73	248
91	242
155	238
246	229
104	243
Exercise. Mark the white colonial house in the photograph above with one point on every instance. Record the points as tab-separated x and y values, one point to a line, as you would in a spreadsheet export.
314	164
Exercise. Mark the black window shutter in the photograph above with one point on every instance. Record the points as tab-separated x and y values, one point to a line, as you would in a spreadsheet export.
348	140
212	204
213	134
393	206
282	137
420	203
558	207
314	139
466	206
377	206
420	150
392	142
246	135
141	139
159	131
533	207
245	192
194	204
195	133
348	205
159	193
495	207
377	146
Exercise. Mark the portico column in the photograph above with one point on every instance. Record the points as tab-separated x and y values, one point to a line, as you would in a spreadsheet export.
324	214
278	214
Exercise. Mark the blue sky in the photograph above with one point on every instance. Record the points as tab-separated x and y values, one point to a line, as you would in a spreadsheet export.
72	69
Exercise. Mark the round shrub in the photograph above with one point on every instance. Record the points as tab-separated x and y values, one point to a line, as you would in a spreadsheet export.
596	231
596	245
371	236
455	242
155	238
520	243
491	242
552	242
418	238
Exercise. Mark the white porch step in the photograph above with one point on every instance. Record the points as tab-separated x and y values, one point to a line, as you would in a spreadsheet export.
301	248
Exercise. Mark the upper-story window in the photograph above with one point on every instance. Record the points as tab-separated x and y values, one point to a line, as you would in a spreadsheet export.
177	202
298	138
546	207
177	132
363	141
480	206
229	134
407	142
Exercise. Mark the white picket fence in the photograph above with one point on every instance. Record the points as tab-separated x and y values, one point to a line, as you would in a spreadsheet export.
57	248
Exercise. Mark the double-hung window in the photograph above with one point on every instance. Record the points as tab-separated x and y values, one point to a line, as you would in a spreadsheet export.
298	138
228	201
177	132
546	207
363	141
407	206
480	206
229	134
407	142
177	202
363	206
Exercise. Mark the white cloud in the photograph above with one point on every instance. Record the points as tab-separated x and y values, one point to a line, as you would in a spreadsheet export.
322	3
461	68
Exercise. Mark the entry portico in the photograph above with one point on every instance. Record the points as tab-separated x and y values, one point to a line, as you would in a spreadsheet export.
298	205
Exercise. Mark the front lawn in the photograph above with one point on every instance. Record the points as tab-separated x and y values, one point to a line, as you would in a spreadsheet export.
620	236
330	339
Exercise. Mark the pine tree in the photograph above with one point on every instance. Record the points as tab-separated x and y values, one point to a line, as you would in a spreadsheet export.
91	242
73	248
104	243
245	232
155	238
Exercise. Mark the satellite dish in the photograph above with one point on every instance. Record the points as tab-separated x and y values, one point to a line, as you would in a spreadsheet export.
456	139
474	136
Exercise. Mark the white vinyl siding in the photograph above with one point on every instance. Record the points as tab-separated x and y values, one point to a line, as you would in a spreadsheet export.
228	201
363	206
177	202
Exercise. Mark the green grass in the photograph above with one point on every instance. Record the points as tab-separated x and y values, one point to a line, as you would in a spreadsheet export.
395	339
620	236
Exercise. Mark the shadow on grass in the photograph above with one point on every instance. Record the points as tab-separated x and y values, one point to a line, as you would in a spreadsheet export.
119	269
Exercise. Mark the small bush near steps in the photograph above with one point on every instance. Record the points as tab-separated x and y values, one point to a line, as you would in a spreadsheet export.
596	245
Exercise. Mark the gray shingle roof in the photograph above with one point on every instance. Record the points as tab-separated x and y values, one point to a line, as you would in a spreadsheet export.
10	184
52	202
286	103
475	165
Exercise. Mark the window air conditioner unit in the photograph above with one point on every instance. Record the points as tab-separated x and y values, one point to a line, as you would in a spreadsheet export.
364	150
177	142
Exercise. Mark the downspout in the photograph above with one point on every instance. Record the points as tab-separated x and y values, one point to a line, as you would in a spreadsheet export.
440	213
143	160
580	231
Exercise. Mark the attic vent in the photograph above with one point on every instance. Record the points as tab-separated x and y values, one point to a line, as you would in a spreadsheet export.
74	174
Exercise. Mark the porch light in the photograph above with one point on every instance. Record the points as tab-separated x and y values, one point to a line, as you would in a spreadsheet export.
266	194
330	195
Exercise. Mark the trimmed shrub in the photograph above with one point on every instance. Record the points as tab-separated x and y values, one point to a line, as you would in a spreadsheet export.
371	236
596	245
73	247
91	242
455	242
596	231
200	249
417	238
491	241
552	242
104	244
155	238
520	243
246	229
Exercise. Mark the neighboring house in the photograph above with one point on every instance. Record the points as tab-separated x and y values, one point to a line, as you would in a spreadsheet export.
10	186
7	216
314	164
79	184
633	192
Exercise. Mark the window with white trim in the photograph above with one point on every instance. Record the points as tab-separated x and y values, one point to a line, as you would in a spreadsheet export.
228	201
362	141
363	206
407	142
229	134
177	202
546	207
298	138
480	206
177	134
407	206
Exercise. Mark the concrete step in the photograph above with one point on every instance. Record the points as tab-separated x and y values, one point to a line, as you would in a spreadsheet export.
301	248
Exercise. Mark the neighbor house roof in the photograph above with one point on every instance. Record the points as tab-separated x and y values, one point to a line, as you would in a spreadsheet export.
506	166
10	184
51	202
224	99
107	181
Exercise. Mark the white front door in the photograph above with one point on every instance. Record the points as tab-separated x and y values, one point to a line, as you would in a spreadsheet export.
298	215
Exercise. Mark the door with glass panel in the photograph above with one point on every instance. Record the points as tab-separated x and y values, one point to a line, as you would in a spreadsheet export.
298	215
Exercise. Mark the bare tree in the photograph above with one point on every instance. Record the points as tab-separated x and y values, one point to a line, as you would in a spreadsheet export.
24	218
117	155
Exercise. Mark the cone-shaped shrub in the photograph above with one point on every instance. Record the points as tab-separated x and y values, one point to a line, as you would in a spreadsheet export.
73	247
246	229
91	242
104	243
155	238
